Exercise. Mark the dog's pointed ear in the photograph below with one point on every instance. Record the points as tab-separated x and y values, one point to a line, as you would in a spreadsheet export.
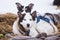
34	15
19	6
31	5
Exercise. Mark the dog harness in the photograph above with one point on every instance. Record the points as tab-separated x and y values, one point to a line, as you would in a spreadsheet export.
43	18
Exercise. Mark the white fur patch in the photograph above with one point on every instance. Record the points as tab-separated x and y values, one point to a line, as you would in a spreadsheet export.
27	20
44	27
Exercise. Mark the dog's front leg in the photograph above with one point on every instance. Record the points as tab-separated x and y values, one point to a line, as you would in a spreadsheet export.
33	32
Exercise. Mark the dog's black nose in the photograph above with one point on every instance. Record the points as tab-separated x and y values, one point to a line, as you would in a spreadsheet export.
28	25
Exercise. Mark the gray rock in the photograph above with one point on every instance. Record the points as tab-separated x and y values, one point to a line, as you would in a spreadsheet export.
23	38
52	38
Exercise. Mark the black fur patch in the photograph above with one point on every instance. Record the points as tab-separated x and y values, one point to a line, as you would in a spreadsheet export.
27	9
56	2
20	8
21	18
34	15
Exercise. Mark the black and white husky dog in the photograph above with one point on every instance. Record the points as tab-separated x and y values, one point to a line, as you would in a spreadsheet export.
26	23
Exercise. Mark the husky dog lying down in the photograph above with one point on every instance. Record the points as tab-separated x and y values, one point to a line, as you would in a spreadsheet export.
26	25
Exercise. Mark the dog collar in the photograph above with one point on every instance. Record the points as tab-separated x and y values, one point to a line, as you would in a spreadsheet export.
27	32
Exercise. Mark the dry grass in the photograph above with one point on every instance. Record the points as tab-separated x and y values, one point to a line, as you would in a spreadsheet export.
9	18
3	38
6	22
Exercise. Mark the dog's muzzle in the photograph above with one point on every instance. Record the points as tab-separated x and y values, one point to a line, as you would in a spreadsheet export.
28	25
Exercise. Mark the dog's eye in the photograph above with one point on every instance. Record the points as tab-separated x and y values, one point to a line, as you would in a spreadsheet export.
30	19
24	19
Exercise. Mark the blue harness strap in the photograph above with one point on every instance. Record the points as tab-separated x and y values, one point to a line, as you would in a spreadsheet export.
43	18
